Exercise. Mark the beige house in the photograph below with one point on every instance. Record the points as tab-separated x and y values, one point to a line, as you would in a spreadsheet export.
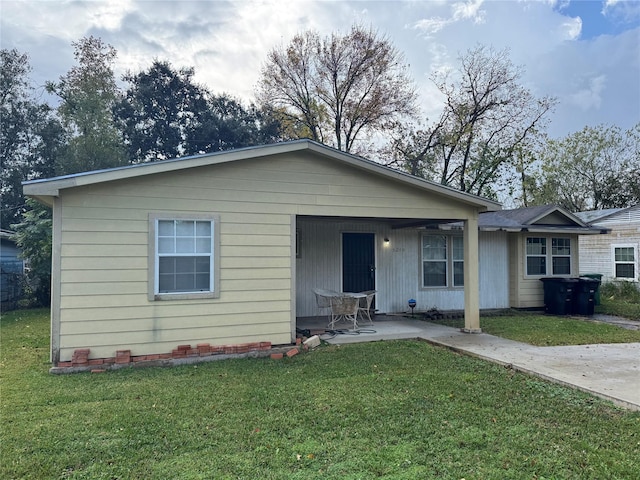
225	248
614	255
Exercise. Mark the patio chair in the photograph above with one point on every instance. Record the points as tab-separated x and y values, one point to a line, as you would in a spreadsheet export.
364	305
344	308
323	300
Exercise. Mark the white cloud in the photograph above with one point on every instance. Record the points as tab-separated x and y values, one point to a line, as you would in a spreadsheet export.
590	96
460	11
571	28
596	80
469	10
622	11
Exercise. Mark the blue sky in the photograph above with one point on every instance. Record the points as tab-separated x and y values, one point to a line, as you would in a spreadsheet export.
600	18
584	53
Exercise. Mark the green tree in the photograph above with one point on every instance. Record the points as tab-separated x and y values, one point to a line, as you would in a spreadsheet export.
595	168
88	94
160	111
227	124
31	137
33	235
339	89
487	120
165	114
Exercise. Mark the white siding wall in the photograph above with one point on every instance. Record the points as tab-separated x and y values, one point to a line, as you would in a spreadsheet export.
397	267
596	250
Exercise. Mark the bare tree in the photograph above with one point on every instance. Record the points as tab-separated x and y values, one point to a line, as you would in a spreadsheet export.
338	89
486	120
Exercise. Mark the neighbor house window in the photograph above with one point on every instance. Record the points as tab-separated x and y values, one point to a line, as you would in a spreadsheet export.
625	262
184	257
442	261
539	255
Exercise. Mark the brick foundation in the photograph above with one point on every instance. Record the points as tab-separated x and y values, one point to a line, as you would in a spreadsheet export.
80	360
182	354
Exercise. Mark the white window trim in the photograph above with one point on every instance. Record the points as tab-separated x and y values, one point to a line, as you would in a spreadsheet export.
152	280
549	255
635	261
449	261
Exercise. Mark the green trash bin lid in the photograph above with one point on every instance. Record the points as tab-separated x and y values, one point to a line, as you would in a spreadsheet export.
597	276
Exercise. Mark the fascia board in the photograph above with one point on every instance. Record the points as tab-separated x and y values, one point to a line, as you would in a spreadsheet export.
51	187
578	230
385	171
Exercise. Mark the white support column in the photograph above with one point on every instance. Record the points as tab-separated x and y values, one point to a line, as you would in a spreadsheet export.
294	268
471	276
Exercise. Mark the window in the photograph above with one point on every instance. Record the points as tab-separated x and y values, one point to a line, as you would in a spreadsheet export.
561	256
434	260
625	262
538	256
458	261
183	257
442	260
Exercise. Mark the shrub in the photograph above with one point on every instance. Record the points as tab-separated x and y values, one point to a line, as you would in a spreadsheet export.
621	291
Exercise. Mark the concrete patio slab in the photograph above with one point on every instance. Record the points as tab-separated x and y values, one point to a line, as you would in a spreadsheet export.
609	371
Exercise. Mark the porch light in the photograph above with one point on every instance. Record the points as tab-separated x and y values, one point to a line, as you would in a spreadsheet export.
386	240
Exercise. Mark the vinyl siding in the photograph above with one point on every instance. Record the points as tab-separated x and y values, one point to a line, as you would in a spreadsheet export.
104	235
526	291
398	269
596	251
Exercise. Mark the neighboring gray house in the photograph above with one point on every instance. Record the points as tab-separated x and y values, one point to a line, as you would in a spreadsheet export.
519	247
11	270
614	255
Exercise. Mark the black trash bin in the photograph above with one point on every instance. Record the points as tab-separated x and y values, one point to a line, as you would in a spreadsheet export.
558	295
584	296
595	276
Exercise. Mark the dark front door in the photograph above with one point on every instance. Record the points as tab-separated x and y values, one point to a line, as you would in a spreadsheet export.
358	262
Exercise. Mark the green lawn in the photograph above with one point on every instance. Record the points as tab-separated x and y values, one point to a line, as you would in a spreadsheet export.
394	410
550	330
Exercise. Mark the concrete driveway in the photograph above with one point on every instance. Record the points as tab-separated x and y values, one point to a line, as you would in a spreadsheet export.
609	371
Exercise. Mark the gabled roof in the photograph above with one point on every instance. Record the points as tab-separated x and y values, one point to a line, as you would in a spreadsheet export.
541	219
44	189
595	216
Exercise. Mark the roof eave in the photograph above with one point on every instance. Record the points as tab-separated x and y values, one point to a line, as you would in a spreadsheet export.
52	187
577	230
378	168
545	229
